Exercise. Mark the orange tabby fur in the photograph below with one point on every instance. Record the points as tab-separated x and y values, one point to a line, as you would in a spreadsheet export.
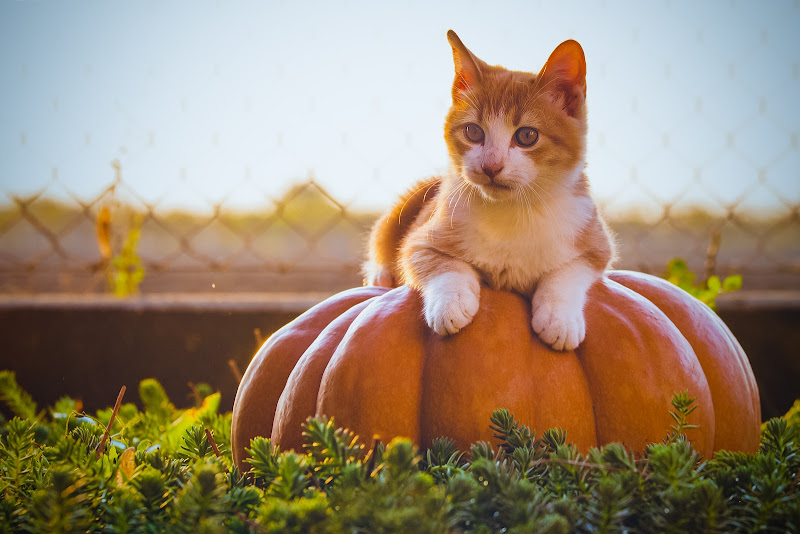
511	215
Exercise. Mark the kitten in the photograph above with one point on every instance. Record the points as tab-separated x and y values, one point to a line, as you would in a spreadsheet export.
514	213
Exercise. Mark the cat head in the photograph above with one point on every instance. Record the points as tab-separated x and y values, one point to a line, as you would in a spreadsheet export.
518	135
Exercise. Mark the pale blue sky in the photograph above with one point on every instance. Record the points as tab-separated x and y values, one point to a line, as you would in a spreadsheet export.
203	100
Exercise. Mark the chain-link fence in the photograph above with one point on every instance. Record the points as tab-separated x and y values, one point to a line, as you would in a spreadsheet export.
127	165
306	240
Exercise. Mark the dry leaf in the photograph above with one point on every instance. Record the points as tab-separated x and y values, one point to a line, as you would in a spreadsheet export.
127	463
102	229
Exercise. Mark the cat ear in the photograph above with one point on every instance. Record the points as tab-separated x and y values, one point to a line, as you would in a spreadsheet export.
468	67
565	73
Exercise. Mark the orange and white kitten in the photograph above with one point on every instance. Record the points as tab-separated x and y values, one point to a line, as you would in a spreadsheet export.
515	212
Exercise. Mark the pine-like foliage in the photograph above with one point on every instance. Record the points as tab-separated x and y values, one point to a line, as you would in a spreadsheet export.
160	472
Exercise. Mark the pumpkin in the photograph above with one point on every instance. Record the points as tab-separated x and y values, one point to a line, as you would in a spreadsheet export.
366	358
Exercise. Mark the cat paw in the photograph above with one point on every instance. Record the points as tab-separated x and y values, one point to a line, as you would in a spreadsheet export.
558	323
378	275
451	301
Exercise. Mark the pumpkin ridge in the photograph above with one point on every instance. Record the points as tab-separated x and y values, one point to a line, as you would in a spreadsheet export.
626	330
299	398
265	377
429	338
498	362
372	382
722	359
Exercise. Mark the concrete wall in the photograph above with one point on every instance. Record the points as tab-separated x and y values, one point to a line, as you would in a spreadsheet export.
88	346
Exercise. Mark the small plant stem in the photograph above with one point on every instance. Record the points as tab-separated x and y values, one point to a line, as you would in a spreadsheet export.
314	478
110	423
371	463
213	443
259	337
214	447
198	400
712	251
237	373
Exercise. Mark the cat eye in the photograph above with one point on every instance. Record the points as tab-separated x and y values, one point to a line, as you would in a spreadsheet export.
526	136
473	132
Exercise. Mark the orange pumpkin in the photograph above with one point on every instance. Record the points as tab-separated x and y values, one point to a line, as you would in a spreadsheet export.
367	358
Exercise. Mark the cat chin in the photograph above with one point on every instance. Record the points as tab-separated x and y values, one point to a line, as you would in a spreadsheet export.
492	192
495	193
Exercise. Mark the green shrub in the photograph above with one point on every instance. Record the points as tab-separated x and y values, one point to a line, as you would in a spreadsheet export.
678	273
160	472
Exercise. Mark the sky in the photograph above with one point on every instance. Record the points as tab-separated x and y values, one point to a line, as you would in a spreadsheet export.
204	101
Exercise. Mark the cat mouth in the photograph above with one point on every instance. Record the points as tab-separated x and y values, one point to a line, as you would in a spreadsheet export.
494	191
495	185
489	185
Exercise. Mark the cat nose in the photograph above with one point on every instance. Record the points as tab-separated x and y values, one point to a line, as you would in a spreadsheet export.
492	170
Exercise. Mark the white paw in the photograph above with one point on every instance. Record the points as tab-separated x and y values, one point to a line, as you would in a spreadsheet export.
558	323
451	301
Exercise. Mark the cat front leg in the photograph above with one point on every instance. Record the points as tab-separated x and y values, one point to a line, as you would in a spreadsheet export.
557	305
451	300
450	288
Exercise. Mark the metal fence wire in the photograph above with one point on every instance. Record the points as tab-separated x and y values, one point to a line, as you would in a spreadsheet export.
306	240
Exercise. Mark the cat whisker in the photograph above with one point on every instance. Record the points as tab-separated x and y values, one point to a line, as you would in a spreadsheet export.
521	201
452	194
451	197
540	192
541	89
468	201
465	98
462	188
425	196
415	193
529	204
520	197
539	198
468	98
549	216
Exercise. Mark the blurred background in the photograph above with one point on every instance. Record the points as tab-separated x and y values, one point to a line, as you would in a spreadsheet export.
222	162
247	146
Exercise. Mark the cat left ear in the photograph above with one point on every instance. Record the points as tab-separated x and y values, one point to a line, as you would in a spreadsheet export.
468	67
566	71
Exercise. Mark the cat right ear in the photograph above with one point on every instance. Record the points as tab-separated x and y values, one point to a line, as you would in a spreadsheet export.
468	67
565	72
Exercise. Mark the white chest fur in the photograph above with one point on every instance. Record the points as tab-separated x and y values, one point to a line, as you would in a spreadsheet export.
513	244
